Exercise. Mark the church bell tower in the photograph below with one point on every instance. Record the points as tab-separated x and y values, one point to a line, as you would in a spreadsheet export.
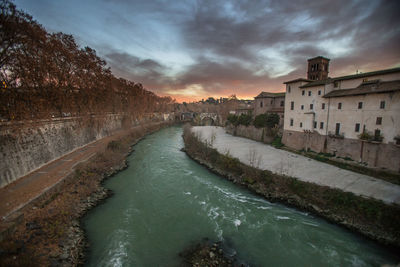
318	68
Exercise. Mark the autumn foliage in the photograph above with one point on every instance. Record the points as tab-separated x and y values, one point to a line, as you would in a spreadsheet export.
47	75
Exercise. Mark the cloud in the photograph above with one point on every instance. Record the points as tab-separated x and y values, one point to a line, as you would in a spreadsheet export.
222	47
131	67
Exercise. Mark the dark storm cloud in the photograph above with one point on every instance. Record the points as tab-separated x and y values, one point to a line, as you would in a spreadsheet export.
252	45
136	69
226	39
249	25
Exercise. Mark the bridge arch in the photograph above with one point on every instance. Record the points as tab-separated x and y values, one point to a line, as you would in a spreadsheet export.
208	119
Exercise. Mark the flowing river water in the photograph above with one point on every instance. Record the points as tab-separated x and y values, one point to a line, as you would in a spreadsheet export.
165	201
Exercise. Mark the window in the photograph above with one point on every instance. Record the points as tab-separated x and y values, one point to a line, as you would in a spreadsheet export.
311	106
309	93
292	105
282	103
323	106
319	92
301	124
336	84
303	92
379	121
291	122
382	106
357	129
365	80
302	107
289	89
360	104
261	104
339	106
337	130
377	136
315	124
321	125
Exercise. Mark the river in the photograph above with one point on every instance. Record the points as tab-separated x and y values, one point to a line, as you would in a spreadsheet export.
165	201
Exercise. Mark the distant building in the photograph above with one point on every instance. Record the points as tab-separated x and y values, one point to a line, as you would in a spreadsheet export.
333	115
267	102
245	111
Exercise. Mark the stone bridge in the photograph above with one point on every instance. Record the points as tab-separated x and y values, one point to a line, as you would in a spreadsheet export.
208	118
199	118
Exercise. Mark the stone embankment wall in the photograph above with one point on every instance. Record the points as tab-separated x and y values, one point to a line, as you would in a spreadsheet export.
374	154
26	146
250	132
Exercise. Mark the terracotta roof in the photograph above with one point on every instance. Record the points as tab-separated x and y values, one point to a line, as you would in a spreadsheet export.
371	87
349	77
317	83
276	110
298	80
273	95
366	74
318	57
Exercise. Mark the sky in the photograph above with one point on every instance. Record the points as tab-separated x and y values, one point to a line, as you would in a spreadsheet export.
195	49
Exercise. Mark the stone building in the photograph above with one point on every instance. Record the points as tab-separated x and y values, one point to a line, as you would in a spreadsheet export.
267	102
318	68
337	115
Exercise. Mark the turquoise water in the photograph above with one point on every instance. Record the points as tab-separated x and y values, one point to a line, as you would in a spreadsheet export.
165	201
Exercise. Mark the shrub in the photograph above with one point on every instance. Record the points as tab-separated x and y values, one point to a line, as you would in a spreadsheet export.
365	136
368	136
277	142
260	121
269	120
232	119
272	120
244	119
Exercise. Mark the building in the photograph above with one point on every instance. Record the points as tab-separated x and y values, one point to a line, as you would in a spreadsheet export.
245	111
267	102
318	68
355	116
244	106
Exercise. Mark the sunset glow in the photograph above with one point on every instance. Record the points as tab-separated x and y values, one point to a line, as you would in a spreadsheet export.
192	50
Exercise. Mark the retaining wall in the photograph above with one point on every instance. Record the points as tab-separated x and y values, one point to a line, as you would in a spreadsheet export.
250	132
374	154
26	146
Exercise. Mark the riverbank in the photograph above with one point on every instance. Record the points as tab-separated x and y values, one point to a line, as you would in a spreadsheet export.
370	217
49	232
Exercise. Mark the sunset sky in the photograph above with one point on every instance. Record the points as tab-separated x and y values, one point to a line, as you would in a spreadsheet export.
194	49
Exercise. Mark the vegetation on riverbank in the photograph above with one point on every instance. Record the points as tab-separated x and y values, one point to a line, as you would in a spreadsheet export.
49	233
370	217
260	121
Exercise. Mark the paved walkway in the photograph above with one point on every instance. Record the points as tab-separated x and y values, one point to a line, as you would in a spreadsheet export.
19	193
279	161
